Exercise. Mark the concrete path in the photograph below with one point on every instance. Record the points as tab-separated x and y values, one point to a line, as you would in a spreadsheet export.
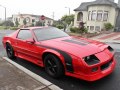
110	38
15	77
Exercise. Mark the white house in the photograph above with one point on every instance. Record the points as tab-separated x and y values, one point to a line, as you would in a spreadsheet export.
96	13
31	19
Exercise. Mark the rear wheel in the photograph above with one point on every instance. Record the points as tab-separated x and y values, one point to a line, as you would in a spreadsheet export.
53	66
10	51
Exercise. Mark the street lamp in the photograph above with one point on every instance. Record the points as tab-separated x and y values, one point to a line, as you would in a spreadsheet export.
68	9
5	11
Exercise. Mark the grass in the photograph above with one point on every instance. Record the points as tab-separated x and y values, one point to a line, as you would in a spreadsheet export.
2	27
8	27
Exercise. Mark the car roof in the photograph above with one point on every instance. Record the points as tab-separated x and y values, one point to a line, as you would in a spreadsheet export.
34	27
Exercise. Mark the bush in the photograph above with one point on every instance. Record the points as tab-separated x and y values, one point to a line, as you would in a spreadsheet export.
74	29
14	28
7	23
60	26
84	30
39	23
108	26
78	30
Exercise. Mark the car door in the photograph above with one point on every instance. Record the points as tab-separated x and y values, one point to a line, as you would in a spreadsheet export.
25	49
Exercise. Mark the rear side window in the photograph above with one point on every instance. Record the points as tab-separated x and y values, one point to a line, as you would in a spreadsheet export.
24	34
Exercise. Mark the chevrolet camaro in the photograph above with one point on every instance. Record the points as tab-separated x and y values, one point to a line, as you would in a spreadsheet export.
61	54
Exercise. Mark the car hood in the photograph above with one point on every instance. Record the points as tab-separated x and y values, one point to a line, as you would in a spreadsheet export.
79	47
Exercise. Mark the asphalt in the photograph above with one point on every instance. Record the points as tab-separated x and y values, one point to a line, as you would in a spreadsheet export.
111	82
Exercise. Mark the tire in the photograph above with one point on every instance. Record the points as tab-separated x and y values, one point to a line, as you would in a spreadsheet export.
53	66
10	51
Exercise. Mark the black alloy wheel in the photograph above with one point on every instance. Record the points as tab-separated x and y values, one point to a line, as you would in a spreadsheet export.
53	66
10	51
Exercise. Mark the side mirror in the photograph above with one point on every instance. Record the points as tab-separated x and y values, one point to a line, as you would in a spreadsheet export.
31	41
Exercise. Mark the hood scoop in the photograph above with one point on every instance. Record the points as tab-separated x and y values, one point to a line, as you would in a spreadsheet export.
77	41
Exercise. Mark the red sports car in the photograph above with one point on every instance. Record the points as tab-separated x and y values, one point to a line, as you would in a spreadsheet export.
60	53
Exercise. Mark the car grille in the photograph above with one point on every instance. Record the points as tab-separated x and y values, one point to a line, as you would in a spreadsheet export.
106	65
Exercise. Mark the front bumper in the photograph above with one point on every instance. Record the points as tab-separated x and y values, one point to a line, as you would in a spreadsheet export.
95	76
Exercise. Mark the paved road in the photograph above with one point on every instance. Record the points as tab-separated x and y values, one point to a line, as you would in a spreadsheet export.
3	33
111	82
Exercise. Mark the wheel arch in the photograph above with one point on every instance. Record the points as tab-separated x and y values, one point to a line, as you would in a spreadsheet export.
7	42
55	53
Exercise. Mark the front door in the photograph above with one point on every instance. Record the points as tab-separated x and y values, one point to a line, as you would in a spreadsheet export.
25	49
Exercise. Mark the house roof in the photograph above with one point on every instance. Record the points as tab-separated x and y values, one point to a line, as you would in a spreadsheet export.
37	16
84	6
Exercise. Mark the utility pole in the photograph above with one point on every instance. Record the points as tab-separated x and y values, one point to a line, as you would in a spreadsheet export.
68	9
53	15
5	12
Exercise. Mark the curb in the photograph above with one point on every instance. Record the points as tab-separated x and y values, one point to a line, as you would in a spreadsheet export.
47	84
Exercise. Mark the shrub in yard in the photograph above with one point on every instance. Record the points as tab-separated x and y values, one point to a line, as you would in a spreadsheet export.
78	30
74	29
60	26
108	26
84	30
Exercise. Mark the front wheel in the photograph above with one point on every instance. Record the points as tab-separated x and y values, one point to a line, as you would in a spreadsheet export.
53	66
10	51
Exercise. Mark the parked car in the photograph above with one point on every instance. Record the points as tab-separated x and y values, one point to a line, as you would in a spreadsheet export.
61	54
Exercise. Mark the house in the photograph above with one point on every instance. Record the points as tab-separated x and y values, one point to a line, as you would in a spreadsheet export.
94	14
31	19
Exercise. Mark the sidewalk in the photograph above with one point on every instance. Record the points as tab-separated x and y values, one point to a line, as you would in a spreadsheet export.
12	78
110	38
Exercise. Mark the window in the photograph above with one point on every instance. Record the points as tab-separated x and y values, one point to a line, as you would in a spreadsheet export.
19	19
89	15
49	33
24	34
99	15
14	19
97	28
33	20
88	27
105	16
93	15
91	28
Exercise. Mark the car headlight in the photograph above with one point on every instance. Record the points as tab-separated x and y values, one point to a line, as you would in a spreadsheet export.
91	60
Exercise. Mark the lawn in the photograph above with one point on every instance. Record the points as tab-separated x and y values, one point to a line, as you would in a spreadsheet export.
2	27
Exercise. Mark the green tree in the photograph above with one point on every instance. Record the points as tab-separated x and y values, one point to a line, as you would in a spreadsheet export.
39	23
24	22
7	23
68	19
16	23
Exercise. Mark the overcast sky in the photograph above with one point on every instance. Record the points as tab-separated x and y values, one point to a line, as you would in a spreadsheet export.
40	7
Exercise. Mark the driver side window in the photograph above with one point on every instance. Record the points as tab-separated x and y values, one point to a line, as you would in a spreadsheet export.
24	34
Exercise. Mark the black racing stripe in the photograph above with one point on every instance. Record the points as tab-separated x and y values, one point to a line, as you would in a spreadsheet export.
76	41
67	58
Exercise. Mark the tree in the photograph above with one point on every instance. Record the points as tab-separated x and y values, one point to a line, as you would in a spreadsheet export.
24	22
16	23
39	24
7	23
68	19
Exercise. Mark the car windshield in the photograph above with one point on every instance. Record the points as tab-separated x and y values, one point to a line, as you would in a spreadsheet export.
49	33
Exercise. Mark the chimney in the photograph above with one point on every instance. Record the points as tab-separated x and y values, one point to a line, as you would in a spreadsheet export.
119	3
111	0
108	0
